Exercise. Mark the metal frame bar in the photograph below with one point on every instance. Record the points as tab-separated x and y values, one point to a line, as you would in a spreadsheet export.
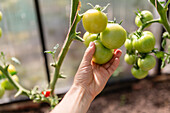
42	37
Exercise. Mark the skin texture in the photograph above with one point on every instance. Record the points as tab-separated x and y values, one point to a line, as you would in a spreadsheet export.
89	81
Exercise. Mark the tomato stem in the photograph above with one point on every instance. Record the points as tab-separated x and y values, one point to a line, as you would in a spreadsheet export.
147	23
74	19
14	83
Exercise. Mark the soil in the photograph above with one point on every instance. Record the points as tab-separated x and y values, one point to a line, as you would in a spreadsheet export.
144	96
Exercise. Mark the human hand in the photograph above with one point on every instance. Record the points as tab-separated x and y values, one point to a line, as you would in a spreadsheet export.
93	77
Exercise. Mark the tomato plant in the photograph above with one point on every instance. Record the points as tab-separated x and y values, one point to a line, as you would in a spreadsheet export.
143	17
113	36
7	85
94	21
145	43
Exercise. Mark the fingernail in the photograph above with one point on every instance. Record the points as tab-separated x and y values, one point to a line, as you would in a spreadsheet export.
91	44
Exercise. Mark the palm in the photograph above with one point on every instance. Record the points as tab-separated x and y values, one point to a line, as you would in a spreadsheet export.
93	77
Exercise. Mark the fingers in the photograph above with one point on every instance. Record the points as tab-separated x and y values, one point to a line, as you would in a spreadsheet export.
117	54
113	66
89	53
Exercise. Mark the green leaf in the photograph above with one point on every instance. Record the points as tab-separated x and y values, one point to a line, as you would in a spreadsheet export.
120	22
2	54
79	38
162	2
168	59
159	54
163	43
14	59
50	52
169	49
163	64
61	76
56	47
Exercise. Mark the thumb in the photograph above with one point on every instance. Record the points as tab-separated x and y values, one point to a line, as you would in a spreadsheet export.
89	53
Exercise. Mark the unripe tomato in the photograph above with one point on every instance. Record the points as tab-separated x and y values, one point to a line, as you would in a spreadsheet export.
1	73
102	54
147	16
139	73
0	15
147	63
113	36
145	43
2	91
7	85
94	21
11	69
130	59
128	44
89	37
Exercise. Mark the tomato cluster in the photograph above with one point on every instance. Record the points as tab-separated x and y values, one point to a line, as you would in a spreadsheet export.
139	46
106	36
4	82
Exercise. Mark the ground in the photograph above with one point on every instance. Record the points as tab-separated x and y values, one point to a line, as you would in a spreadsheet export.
144	96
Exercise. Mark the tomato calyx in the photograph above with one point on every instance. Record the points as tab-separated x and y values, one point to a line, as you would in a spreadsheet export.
98	7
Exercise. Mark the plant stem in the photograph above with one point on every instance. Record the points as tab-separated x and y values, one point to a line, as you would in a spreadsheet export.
147	23
163	14
14	83
74	19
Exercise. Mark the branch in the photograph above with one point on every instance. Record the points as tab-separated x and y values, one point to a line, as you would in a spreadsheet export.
147	23
74	19
19	88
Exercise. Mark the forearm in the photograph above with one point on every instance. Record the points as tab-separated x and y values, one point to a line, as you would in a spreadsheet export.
76	100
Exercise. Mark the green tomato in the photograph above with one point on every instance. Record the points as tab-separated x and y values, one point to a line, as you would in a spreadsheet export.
2	91
11	69
89	37
138	73
130	59
128	44
94	21
147	63
145	43
7	85
102	54
113	36
146	16
0	15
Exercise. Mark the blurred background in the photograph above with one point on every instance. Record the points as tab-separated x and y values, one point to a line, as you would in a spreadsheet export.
21	39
